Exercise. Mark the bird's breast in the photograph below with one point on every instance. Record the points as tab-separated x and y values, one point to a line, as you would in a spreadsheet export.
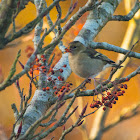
84	66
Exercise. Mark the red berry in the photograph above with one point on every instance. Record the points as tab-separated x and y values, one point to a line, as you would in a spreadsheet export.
123	91
96	105
44	60
31	71
44	89
44	70
42	56
108	93
101	103
98	102
47	88
60	78
61	70
125	86
104	108
114	102
119	94
110	105
127	79
114	92
92	106
63	87
37	60
39	64
56	92
116	98
64	65
55	87
61	90
67	85
49	78
43	67
67	89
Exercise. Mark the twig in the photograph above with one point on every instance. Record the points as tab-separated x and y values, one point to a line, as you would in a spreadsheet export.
110	47
127	113
129	16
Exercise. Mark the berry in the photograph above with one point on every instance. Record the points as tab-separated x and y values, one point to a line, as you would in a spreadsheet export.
67	89
61	70
127	79
116	98
60	78
61	90
63	87
104	108
92	106
44	70
49	78
37	60
42	56
106	98
108	93
47	88
67	85
123	91
39	64
56	92
64	65
43	67
114	102
125	86
44	60
119	94
44	89
31	71
110	105
55	87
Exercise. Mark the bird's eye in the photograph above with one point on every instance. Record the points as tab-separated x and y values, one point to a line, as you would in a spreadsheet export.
74	47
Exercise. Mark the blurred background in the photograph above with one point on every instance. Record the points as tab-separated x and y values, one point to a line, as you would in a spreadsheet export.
115	33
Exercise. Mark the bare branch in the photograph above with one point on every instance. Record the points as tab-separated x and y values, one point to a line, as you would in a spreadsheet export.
129	16
29	27
109	47
126	114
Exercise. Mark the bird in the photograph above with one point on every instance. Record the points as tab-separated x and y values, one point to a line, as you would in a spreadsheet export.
86	62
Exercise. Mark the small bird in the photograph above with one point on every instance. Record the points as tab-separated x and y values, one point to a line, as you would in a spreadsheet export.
86	62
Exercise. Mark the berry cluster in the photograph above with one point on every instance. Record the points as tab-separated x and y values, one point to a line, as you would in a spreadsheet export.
39	64
65	88
110	97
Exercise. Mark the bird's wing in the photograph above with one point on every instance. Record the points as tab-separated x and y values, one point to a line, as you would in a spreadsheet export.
96	55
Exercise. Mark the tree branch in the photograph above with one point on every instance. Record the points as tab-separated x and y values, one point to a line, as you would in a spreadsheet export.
129	16
109	47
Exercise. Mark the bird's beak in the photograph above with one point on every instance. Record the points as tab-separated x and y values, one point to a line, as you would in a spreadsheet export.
67	49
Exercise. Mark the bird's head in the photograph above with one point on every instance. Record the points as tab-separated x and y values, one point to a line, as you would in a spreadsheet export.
75	47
